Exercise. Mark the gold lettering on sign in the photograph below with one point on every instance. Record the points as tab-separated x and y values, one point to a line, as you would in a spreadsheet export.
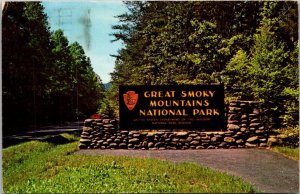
206	112
160	101
163	112
159	94
198	94
177	103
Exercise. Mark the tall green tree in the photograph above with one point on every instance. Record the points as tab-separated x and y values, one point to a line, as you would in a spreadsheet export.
76	87
26	49
236	77
88	89
272	65
45	79
179	42
249	46
269	72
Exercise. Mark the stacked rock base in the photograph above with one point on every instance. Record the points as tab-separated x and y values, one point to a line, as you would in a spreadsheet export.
244	130
243	119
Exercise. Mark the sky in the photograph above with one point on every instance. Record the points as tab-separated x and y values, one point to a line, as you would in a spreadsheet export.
89	23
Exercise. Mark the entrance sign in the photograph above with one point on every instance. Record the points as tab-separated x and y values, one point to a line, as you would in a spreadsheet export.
196	107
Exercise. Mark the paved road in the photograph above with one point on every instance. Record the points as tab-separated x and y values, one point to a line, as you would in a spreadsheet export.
44	133
268	171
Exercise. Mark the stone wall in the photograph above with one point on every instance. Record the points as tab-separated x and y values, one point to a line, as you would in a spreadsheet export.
244	129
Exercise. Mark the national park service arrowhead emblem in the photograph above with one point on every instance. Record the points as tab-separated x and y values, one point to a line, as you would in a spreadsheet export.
130	99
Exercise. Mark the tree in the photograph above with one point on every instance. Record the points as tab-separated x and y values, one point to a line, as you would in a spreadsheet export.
236	77
26	51
45	80
76	87
271	67
249	46
269	72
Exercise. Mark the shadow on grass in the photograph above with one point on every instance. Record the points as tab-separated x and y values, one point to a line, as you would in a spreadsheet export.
63	138
60	139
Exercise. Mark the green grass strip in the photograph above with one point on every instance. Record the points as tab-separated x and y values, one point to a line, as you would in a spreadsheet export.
292	153
39	167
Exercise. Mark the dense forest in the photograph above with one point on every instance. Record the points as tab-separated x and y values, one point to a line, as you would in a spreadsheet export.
249	46
45	79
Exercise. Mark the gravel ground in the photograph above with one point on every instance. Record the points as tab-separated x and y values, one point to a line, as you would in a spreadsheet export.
270	172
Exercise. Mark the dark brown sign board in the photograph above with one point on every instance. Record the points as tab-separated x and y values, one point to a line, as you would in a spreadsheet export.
195	107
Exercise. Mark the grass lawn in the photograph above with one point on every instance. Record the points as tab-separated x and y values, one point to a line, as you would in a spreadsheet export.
292	153
45	167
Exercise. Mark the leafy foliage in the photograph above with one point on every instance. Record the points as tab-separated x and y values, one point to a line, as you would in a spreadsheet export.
251	47
268	72
45	79
236	76
106	109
